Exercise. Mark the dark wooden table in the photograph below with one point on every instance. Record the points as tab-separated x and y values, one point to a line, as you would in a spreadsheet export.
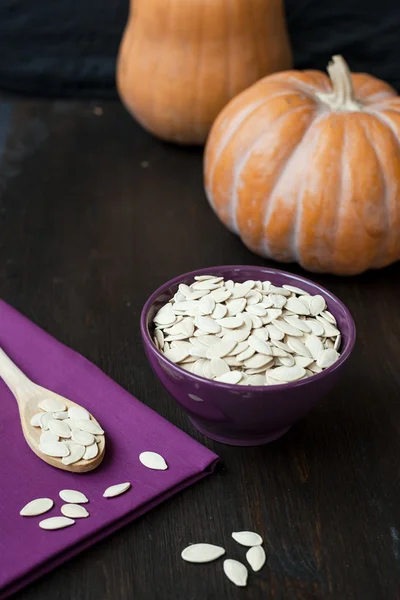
94	215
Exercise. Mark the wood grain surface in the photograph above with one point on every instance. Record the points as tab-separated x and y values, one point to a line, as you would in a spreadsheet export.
94	215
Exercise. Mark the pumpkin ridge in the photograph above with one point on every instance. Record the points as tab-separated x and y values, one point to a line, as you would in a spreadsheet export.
196	116
272	196
242	164
236	122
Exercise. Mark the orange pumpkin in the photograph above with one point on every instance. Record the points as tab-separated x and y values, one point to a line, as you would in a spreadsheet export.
305	168
181	61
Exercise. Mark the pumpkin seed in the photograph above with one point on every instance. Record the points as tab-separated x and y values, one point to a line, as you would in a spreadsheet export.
116	490
153	460
36	507
36	420
202	553
59	428
327	358
84	438
76	452
247	538
73	497
89	426
91	451
256	557
51	405
56	449
245	332
48	437
56	523
236	572
74	511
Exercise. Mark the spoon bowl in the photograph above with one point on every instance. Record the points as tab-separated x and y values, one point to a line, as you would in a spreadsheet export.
28	396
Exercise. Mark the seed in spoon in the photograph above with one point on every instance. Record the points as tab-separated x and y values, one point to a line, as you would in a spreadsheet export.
202	553
76	452
89	426
236	572
51	405
74	511
91	452
59	428
116	490
256	557
78	412
48	437
36	507
44	420
73	497
61	415
247	538
57	449
35	421
84	438
56	523
153	460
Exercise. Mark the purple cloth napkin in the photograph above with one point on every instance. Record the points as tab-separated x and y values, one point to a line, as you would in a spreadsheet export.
131	428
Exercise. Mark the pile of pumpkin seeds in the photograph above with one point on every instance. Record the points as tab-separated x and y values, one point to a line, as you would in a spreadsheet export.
69	434
72	509
250	333
234	570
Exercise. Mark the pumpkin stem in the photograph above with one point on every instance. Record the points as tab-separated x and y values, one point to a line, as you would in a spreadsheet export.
342	98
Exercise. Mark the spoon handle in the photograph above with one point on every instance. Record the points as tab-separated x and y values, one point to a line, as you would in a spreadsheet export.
15	379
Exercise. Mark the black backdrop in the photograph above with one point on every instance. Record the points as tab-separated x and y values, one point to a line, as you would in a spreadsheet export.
69	47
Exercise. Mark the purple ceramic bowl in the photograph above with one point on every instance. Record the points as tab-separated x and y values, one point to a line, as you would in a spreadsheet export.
245	415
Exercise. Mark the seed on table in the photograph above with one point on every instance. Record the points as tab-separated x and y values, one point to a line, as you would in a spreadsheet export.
236	572
36	507
256	557
327	358
153	460
56	523
74	511
73	497
247	538
51	405
202	553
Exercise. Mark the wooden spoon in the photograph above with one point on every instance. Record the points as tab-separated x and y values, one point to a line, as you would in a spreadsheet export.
28	395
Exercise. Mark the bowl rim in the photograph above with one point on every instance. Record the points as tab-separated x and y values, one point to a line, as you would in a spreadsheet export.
234	386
